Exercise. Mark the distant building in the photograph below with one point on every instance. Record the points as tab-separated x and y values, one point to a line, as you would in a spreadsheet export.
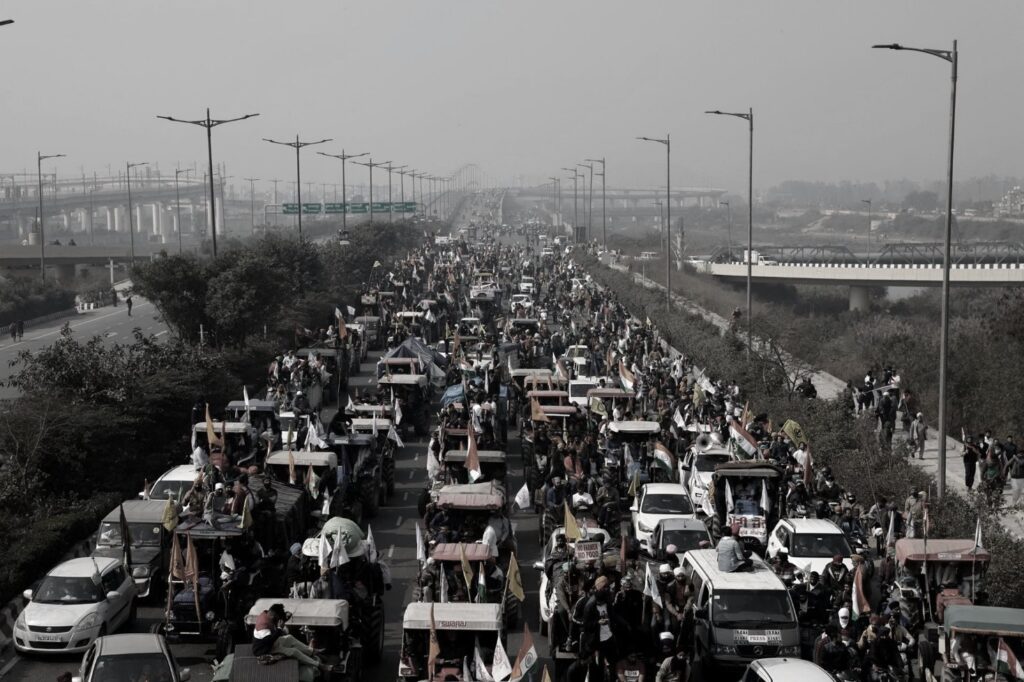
1012	204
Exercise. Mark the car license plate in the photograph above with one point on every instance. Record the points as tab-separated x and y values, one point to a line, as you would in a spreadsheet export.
757	639
43	637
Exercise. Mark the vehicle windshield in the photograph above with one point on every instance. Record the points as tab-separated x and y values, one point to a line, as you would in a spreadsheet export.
709	462
150	667
751	608
161	489
580	390
142	534
684	540
819	546
67	590
666	503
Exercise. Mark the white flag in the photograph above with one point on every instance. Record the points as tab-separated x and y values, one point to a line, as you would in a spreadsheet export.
421	548
351	310
500	665
339	556
482	675
443	589
398	412
651	587
393	435
890	537
466	675
324	554
374	423
371	545
977	535
729	505
351	407
433	466
678	419
523	497
766	503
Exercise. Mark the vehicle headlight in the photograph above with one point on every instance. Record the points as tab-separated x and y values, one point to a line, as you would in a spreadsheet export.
20	623
723	649
790	650
141	572
90	620
643	527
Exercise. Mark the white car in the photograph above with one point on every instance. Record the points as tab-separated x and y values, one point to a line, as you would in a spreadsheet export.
578	389
697	466
524	300
121	657
527	285
176	481
655	502
78	601
812	543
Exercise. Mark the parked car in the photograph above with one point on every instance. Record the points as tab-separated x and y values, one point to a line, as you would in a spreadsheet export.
657	502
78	601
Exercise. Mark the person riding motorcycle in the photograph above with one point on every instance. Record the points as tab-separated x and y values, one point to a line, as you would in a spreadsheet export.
884	653
836	575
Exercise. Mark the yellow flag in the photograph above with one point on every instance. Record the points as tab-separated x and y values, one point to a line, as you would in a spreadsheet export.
572	529
246	522
170	518
211	436
634	485
467	570
546	677
515	579
795	432
536	413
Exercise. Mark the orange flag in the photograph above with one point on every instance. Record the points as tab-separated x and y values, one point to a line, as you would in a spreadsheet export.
536	413
435	646
211	435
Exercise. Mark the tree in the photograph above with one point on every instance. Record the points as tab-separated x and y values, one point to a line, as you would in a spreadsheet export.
923	201
178	287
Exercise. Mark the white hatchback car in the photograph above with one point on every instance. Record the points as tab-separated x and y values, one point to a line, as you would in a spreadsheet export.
811	543
78	601
656	502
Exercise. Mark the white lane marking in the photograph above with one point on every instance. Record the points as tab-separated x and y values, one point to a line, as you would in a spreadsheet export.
411	474
398	521
95	319
10	666
391	551
416	457
160	333
405	496
515	524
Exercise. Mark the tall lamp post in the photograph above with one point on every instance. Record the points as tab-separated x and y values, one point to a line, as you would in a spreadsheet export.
590	200
40	157
556	189
667	141
344	200
297	146
604	216
749	118
370	164
951	57
391	204
177	203
575	209
867	251
252	202
210	124
131	221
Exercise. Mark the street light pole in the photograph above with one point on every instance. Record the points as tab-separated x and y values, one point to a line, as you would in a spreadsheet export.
370	164
210	124
252	202
344	196
749	118
589	211
131	221
40	157
950	56
867	253
177	203
298	145
604	216
575	211
667	141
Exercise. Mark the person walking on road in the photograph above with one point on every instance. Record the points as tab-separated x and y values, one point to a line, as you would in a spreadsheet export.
21	329
14	332
128	302
918	436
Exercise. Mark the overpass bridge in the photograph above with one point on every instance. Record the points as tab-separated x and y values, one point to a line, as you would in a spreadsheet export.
899	253
633	197
860	277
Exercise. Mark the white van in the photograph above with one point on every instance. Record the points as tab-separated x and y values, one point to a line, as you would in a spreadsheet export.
739	616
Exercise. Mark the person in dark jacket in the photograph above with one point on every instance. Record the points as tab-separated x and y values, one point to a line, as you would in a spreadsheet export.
601	625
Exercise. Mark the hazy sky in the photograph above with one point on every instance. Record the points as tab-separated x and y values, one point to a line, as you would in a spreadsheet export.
522	87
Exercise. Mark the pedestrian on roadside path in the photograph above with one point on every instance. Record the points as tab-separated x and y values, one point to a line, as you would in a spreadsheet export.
14	332
1015	472
918	436
128	302
21	329
970	457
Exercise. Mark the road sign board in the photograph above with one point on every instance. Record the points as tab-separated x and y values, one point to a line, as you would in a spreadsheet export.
290	209
380	206
407	207
334	208
361	207
311	208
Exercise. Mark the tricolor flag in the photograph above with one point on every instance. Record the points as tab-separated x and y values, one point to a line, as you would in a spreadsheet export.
472	462
626	377
527	656
742	440
664	458
467	570
861	605
1007	663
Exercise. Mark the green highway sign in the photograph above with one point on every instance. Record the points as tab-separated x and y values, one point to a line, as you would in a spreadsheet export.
334	208
407	207
358	208
380	206
290	209
311	208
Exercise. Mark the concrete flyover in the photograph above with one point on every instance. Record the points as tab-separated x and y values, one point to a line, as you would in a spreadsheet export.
860	277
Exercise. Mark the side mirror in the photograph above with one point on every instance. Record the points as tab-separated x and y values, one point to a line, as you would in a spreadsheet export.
634	507
184	675
27	594
76	678
112	595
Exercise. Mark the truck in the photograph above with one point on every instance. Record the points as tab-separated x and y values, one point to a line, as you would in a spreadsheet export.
756	258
